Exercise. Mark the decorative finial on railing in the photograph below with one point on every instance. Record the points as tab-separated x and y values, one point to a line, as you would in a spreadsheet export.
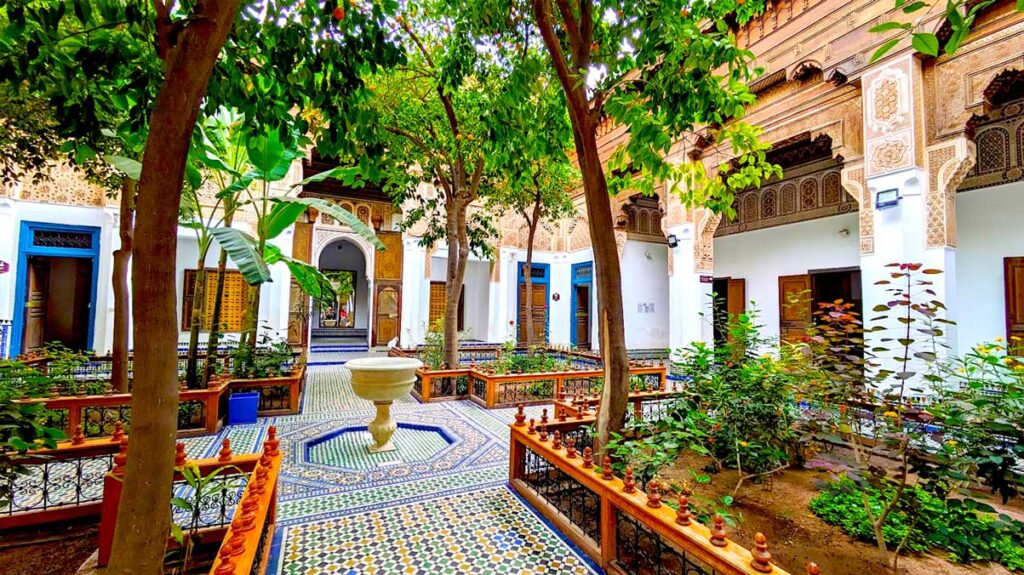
653	494
78	437
520	416
249	506
543	434
544	416
813	569
761	558
683	515
561	395
718	536
271	443
556	443
570	448
237	539
531	430
588	458
118	432
226	565
225	450
179	454
562	416
606	468
121	457
628	484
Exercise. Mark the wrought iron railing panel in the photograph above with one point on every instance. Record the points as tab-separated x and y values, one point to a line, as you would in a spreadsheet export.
56	483
261	548
641	551
479	387
99	420
216	506
581	506
513	392
275	397
191	414
588	385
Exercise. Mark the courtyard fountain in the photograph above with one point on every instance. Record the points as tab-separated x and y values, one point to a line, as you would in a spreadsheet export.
382	380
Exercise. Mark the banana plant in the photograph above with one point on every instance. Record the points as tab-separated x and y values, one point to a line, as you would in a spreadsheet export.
271	159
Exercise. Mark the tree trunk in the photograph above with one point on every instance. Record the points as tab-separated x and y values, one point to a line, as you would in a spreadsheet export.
119	279
144	514
454	293
213	339
528	279
611	415
196	320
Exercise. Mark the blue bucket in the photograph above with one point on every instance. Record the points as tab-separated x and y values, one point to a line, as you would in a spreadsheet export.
242	407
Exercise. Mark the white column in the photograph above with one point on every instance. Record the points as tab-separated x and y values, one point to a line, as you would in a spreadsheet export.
689	296
413	284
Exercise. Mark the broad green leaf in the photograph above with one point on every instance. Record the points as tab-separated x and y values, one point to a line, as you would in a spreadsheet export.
241	248
266	152
281	217
887	26
130	167
914	7
344	216
193	176
925	43
884	49
350	175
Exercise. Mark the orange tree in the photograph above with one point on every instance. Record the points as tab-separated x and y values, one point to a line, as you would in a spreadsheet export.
665	70
270	60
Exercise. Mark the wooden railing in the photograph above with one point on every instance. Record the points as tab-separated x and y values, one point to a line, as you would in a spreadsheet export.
200	411
623	527
229	505
246	546
59	484
492	390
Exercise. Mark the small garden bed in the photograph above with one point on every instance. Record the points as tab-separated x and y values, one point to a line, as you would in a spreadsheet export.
872	447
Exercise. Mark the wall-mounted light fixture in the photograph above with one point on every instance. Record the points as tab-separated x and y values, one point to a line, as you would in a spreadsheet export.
887	199
673	241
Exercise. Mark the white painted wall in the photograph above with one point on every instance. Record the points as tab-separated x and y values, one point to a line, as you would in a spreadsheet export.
761	256
989	229
476	303
645	294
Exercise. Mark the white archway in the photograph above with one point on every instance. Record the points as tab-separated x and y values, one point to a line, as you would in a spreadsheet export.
329	237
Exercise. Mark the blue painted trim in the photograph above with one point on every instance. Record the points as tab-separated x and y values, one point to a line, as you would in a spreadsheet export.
307	446
26	249
586	280
545	280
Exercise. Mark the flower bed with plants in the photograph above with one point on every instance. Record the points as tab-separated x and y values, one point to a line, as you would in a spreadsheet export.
866	439
519	376
71	392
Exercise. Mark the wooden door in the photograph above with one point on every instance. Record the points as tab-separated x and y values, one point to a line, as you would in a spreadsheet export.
389	313
582	319
736	296
794	306
37	291
540	312
1013	271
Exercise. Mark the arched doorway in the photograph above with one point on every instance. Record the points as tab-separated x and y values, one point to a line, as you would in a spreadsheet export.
347	317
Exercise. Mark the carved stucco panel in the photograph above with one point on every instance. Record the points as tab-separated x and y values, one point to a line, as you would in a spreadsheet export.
948	164
855	184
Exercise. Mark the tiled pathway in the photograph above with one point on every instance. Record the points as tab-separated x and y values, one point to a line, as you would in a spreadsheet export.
443	506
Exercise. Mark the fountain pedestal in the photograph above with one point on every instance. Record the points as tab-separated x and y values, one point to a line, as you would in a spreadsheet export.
382	380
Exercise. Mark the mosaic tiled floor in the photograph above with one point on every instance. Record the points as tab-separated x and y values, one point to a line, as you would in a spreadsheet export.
441	505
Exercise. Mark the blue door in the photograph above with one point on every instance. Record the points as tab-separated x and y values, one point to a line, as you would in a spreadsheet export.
55	295
582	288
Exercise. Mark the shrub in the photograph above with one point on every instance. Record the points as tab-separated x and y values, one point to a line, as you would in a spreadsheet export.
921	521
